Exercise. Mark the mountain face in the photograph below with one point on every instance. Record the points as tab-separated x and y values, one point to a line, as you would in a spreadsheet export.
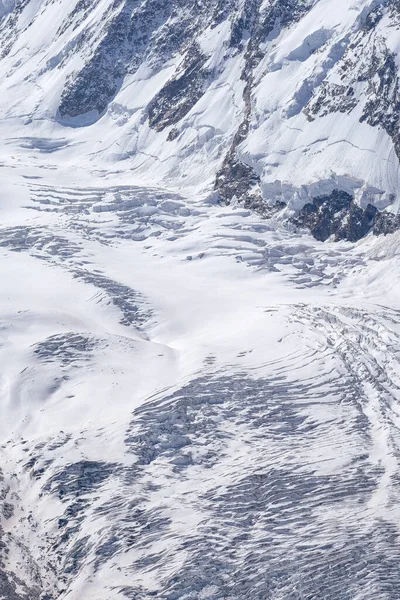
274	103
199	300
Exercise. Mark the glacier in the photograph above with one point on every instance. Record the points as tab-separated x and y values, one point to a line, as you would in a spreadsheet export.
199	397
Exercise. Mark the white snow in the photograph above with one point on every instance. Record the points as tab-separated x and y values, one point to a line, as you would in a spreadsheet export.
239	380
219	285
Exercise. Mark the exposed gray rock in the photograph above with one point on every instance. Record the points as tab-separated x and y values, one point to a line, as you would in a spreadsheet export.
235	178
181	93
338	217
119	52
386	223
366	62
8	27
152	30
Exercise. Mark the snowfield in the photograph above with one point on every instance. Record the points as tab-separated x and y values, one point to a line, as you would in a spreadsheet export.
197	402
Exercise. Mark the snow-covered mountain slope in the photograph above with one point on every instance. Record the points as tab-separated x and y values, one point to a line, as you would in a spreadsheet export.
199	400
287	100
